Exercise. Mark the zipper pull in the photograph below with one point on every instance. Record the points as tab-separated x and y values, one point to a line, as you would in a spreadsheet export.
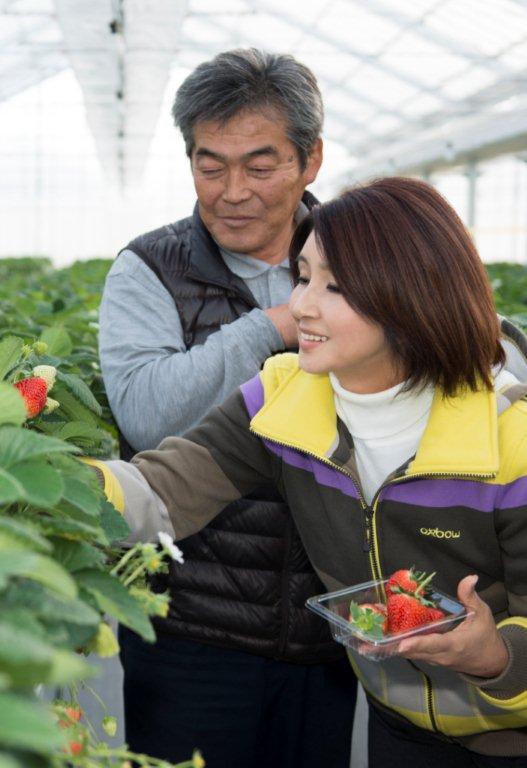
367	531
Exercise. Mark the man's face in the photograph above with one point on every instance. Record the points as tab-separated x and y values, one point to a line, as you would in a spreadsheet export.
249	182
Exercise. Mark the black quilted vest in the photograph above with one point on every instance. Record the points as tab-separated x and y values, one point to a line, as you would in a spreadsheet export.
246	576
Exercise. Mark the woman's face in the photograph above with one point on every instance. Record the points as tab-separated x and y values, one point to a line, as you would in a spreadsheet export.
334	337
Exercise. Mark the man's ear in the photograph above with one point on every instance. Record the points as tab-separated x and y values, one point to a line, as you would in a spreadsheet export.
314	161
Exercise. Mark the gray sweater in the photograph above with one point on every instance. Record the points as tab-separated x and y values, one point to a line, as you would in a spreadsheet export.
155	386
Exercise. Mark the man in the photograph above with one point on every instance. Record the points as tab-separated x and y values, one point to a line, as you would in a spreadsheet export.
190	311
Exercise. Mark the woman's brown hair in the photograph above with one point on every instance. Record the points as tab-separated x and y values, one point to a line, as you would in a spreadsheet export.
402	258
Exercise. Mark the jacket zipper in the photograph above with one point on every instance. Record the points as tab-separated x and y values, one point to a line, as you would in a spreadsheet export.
370	534
429	691
365	507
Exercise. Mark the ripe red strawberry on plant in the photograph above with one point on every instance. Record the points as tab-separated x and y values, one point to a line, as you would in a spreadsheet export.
75	747
71	716
34	390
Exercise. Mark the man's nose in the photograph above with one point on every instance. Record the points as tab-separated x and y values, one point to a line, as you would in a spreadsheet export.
236	189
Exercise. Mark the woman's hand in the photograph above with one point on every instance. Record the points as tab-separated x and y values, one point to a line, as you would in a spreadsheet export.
475	647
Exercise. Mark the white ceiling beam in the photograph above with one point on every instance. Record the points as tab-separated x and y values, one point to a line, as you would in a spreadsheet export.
32	63
28	72
474	138
121	53
94	56
346	120
338	44
484	99
418	26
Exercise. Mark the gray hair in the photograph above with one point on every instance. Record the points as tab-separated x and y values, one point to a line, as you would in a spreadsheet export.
250	79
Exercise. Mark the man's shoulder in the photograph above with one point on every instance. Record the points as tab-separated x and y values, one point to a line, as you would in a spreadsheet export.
176	233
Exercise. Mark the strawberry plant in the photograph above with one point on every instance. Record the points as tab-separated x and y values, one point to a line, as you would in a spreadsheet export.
62	571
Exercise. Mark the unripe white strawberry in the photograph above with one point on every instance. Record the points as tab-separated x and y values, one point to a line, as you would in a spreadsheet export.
46	372
51	405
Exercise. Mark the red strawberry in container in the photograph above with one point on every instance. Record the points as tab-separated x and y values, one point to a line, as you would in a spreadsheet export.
408	580
409	604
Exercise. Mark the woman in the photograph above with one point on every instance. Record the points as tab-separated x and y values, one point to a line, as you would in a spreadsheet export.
394	424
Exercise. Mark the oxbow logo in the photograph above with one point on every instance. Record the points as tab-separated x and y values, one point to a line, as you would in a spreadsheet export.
437	533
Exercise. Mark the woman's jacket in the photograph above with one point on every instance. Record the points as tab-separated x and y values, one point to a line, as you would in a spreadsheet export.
458	507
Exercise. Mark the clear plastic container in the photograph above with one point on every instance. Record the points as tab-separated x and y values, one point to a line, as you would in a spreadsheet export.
335	608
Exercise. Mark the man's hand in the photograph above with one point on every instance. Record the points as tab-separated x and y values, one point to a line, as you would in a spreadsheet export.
282	319
475	647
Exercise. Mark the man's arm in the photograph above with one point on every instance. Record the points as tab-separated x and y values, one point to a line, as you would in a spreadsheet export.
156	387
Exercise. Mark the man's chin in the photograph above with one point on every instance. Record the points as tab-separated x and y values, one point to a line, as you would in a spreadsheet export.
238	243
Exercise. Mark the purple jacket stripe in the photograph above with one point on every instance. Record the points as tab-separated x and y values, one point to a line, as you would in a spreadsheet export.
324	475
253	395
480	496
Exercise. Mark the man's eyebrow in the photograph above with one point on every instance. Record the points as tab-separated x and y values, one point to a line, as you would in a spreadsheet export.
204	152
268	150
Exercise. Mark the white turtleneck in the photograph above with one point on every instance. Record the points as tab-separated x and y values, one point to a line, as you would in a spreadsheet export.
387	427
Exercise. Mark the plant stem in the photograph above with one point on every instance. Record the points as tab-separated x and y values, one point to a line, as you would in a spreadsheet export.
124	559
138	571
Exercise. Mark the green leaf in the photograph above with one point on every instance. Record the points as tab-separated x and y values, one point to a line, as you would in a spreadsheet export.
58	341
38	568
74	529
113	523
12	407
17	444
10	351
77	555
26	659
41	485
82	496
27	725
7	761
17	534
47	607
70	406
113	598
79	432
10	489
67	667
81	391
17	759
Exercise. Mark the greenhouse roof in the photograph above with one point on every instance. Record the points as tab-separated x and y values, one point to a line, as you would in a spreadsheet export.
406	85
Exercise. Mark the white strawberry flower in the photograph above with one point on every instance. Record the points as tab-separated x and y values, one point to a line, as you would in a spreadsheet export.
170	548
46	372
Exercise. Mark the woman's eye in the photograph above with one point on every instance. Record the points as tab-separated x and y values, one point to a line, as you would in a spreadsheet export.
302	280
333	288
